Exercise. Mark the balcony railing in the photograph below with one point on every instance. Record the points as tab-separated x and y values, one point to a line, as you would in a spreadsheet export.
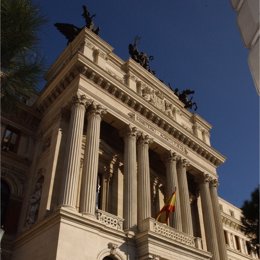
169	232
109	220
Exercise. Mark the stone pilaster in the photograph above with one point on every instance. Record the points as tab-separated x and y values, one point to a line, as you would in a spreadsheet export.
172	184
218	222
72	154
184	197
208	217
143	179
90	164
130	178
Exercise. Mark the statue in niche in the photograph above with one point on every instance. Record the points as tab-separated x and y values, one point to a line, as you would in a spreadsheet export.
34	202
140	57
70	31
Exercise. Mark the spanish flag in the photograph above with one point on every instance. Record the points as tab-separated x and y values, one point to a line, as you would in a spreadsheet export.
169	207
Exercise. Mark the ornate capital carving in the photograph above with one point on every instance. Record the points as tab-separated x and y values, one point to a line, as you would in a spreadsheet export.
170	156
214	183
205	178
184	163
113	247
129	131
144	139
96	109
79	99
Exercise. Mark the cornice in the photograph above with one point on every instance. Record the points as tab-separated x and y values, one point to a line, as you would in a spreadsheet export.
77	64
116	88
231	221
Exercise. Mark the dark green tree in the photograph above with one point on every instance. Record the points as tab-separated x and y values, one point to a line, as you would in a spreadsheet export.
250	219
21	66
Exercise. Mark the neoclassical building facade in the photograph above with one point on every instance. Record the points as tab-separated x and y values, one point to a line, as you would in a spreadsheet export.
87	167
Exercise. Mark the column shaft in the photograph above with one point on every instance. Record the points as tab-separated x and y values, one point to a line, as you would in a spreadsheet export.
184	198
72	154
172	183
90	164
143	179
218	222
208	217
130	179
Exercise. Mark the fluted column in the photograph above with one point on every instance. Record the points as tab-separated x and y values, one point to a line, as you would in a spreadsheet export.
218	222
184	198
130	178
172	183
90	164
72	154
208	217
143	179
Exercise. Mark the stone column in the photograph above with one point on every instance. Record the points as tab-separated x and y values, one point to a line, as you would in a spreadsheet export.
130	179
218	222
172	183
208	217
143	179
184	197
73	150
90	164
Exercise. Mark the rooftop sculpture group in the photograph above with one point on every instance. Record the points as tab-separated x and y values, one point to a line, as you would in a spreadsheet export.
70	31
140	57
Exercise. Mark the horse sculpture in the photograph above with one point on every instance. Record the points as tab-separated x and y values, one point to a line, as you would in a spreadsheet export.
70	31
140	57
183	97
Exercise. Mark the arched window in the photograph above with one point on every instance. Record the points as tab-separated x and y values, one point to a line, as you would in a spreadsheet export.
5	197
109	258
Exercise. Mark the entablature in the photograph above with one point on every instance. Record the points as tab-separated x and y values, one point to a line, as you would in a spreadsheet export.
134	86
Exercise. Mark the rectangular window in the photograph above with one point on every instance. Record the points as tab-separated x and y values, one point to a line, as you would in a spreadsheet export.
237	243
10	140
231	213
221	207
226	237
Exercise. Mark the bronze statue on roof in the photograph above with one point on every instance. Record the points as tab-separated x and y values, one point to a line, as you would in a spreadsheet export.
140	57
70	31
183	97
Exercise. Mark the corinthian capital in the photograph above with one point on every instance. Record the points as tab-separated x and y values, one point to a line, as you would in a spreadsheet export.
144	139
170	156
129	131
205	178
214	183
96	109
79	99
183	162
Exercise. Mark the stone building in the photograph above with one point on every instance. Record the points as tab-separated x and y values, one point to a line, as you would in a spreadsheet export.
87	167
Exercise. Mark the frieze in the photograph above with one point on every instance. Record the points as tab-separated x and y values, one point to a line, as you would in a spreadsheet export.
157	132
115	76
157	99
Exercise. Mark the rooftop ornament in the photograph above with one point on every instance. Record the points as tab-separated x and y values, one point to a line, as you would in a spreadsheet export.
140	57
183	97
70	31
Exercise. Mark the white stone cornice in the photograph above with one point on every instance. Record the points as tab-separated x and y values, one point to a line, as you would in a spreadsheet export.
96	73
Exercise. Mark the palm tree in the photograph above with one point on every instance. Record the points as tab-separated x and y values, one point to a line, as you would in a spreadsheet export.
21	67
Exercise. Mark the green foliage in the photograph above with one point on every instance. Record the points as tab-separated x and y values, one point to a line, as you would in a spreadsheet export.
250	219
21	67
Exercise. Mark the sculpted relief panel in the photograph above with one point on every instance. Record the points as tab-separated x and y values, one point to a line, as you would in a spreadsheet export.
157	99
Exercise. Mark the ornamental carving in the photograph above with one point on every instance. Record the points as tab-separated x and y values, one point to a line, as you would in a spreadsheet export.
34	202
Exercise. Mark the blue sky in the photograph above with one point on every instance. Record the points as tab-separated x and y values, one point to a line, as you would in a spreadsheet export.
196	44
